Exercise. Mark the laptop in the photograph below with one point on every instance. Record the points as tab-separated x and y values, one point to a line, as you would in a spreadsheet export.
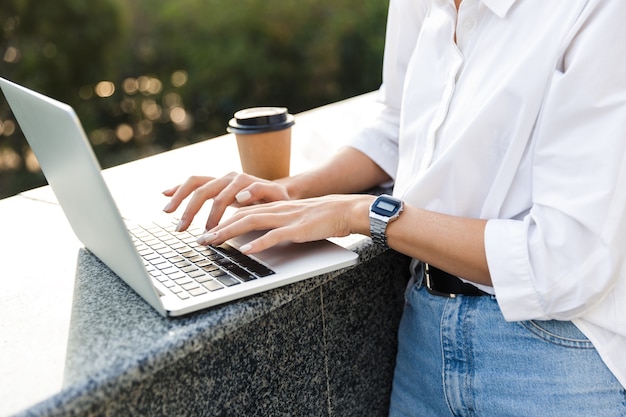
169	270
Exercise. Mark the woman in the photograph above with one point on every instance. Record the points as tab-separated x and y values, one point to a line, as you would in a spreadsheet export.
504	130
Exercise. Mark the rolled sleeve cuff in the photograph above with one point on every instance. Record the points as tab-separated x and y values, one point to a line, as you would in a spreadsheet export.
379	139
379	151
510	270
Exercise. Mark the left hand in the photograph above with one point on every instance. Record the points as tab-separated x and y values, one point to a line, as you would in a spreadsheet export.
295	221
232	189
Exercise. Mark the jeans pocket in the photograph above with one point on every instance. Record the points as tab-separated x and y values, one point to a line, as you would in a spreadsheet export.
562	333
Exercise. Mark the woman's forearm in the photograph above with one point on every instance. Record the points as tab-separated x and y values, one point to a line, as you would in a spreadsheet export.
348	171
453	244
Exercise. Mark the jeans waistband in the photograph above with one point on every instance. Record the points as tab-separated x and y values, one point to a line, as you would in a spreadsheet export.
443	284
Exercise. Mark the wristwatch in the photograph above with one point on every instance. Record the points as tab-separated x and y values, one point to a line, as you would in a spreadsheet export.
383	211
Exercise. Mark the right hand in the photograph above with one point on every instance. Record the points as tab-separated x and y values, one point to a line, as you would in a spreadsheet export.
236	189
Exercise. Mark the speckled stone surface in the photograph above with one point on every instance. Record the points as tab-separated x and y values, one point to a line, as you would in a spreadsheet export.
321	347
75	337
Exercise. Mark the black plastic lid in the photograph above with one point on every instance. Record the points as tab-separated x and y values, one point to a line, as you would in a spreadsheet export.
260	119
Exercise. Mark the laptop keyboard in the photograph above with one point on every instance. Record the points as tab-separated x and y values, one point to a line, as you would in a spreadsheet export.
187	268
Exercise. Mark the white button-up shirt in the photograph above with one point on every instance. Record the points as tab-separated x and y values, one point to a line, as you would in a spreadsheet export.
522	122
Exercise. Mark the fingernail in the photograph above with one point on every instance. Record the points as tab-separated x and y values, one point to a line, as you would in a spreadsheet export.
179	226
207	238
245	248
243	196
168	206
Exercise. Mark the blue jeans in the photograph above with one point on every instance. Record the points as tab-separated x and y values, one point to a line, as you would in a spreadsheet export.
459	357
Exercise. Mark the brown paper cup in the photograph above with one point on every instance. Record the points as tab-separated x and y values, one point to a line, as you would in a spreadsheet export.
265	155
264	140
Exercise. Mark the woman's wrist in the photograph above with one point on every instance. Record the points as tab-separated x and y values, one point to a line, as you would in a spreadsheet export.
361	214
294	186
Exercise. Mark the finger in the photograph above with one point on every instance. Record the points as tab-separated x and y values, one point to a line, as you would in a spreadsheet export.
237	225
180	192
294	220
201	194
170	191
268	240
228	196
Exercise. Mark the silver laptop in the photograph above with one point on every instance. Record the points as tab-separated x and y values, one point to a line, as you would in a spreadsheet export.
168	270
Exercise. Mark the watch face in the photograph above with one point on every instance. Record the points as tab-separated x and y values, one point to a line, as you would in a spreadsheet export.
386	206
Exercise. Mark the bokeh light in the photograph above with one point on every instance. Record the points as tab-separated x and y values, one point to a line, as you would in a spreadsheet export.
7	127
105	89
179	78
12	55
124	132
31	162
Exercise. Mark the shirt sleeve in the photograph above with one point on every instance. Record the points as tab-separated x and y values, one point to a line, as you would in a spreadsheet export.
568	253
379	139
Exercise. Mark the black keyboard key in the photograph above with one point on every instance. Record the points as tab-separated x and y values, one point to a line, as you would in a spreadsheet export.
224	262
241	258
185	256
241	273
214	256
263	271
257	268
227	249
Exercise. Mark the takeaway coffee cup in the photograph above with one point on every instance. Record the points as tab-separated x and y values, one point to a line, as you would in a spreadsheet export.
264	140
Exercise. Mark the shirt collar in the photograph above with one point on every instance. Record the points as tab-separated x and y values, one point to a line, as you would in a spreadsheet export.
499	7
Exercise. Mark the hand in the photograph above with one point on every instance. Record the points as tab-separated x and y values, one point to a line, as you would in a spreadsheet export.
295	221
232	189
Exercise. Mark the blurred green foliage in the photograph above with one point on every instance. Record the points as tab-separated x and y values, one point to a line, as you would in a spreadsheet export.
145	76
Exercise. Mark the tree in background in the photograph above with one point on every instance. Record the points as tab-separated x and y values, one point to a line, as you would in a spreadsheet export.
148	75
53	47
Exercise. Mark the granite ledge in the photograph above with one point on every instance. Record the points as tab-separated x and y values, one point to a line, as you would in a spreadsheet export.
113	344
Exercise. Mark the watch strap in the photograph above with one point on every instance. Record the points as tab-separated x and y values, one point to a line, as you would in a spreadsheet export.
378	230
